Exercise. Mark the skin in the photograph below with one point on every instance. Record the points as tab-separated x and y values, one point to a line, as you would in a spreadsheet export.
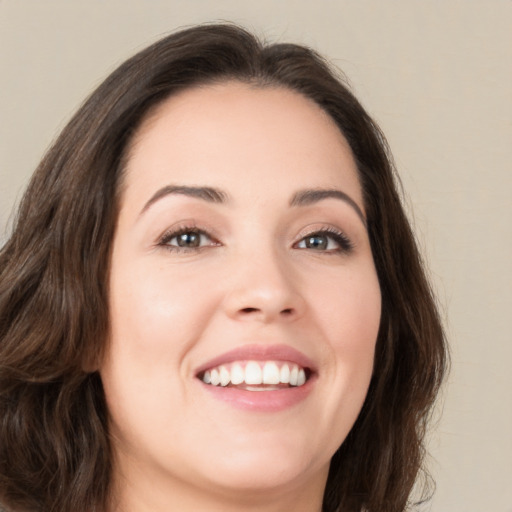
252	280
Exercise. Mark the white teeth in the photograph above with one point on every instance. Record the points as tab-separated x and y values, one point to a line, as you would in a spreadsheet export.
255	374
285	374
225	376
215	377
294	376
271	373
237	374
301	379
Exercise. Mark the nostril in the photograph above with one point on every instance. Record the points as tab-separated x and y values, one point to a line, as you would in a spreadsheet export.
249	310
287	311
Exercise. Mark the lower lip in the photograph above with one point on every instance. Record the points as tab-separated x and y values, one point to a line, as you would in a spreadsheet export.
261	401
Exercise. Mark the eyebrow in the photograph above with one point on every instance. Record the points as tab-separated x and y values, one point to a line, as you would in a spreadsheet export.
217	196
311	196
209	194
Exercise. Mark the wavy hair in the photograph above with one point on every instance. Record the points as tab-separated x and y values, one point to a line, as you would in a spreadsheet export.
55	453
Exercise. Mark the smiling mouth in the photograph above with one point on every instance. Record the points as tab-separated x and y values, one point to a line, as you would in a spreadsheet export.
256	375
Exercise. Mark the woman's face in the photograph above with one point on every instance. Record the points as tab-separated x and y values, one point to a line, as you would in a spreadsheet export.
241	266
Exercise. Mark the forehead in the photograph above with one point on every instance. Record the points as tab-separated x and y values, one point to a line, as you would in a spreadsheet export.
228	134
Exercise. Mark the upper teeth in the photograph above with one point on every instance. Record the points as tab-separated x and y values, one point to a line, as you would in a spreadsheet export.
254	373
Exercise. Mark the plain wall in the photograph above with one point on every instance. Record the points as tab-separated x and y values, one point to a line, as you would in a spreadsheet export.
436	75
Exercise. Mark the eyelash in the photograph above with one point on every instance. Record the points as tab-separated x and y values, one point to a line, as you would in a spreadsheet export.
345	246
183	230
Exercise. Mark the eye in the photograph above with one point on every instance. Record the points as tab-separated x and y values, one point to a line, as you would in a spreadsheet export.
326	241
185	239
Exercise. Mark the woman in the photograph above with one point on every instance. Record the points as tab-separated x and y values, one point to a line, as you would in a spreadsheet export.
212	299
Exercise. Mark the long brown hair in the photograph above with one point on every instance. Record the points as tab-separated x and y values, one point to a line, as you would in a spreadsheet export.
54	445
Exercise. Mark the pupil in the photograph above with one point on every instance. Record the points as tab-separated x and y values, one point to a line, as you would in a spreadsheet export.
188	240
316	242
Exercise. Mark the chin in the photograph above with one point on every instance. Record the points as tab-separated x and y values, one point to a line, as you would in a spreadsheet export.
266	470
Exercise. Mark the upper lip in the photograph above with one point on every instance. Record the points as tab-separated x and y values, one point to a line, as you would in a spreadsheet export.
257	352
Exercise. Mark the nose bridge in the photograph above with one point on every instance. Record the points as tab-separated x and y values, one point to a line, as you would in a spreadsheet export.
262	285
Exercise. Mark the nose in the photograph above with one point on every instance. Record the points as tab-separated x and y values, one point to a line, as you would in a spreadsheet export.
263	288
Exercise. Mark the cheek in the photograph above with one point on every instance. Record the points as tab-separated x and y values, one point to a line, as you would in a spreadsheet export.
156	312
347	310
156	315
350	309
349	315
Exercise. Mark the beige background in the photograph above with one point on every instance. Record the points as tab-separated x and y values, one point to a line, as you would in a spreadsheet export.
437	75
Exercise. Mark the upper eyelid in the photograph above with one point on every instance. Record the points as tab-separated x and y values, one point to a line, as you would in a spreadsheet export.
169	235
185	226
322	228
